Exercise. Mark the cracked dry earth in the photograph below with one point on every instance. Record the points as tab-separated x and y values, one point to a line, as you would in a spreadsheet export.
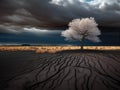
72	71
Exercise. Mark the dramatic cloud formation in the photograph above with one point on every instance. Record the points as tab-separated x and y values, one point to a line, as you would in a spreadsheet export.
15	15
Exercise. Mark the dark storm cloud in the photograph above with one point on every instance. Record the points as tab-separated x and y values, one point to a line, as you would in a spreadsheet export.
8	7
55	14
7	28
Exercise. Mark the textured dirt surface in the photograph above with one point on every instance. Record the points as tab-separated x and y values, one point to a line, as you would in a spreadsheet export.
67	70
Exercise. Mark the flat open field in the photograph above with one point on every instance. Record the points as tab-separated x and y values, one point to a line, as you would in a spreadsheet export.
59	68
54	49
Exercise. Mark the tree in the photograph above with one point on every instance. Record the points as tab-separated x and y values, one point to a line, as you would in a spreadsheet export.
81	29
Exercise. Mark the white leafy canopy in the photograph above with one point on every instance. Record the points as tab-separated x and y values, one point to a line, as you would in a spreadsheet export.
85	28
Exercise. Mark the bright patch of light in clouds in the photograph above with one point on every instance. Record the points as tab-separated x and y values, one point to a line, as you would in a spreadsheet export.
82	0
64	2
40	31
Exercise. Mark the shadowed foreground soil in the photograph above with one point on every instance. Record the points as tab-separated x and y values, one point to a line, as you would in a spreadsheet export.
67	70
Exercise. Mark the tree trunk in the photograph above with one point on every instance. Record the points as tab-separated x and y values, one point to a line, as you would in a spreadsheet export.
82	47
82	43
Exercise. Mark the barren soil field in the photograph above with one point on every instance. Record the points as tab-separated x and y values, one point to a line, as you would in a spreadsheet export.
64	70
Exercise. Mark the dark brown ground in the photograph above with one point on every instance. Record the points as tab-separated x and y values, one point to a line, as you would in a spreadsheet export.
67	70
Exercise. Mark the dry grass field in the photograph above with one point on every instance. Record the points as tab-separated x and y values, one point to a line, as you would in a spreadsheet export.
54	49
61	68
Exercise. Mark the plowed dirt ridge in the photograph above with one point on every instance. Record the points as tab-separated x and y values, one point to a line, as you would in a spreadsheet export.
88	70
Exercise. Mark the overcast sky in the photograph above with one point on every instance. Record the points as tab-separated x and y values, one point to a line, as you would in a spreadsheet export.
41	17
